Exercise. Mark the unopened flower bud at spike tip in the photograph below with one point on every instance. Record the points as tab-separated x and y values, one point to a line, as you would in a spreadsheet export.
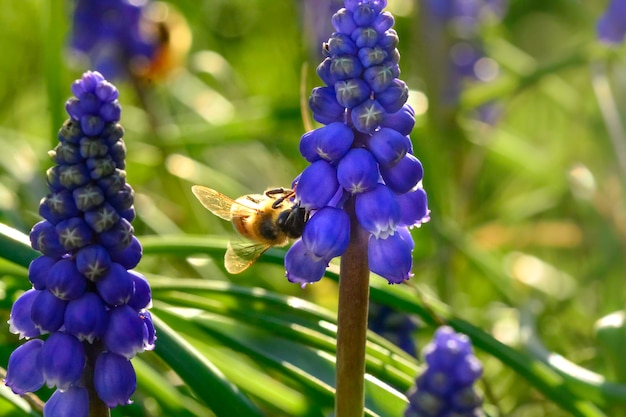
344	22
376	5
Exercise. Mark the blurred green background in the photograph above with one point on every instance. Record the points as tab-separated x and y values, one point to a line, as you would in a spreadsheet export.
527	238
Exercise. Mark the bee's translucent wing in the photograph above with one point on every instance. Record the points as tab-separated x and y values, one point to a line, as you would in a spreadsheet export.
219	204
240	255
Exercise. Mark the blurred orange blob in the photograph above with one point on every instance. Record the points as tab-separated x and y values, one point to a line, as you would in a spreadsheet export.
173	37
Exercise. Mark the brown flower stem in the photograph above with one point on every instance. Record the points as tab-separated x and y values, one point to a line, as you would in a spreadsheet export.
97	408
352	321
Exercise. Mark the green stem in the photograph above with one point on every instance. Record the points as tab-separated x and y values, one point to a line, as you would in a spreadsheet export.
97	408
610	112
352	321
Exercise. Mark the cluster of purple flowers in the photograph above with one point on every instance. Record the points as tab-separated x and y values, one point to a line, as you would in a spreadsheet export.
114	36
394	326
84	295
461	21
611	27
446	387
363	151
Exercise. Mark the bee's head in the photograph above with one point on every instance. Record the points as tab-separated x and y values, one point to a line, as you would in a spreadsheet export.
292	221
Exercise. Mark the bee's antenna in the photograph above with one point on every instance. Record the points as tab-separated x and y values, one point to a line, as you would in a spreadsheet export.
279	190
287	194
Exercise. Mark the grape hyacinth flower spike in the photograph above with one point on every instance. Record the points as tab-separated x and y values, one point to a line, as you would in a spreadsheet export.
363	185
85	296
362	156
446	387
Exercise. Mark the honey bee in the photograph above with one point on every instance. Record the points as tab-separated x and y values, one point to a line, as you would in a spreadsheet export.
266	220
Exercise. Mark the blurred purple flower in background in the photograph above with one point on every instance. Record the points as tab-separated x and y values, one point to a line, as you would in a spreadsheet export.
112	35
315	18
84	294
363	151
611	27
129	38
446	387
397	327
462	21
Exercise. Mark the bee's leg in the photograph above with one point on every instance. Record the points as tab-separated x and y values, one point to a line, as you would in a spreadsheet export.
278	202
292	221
